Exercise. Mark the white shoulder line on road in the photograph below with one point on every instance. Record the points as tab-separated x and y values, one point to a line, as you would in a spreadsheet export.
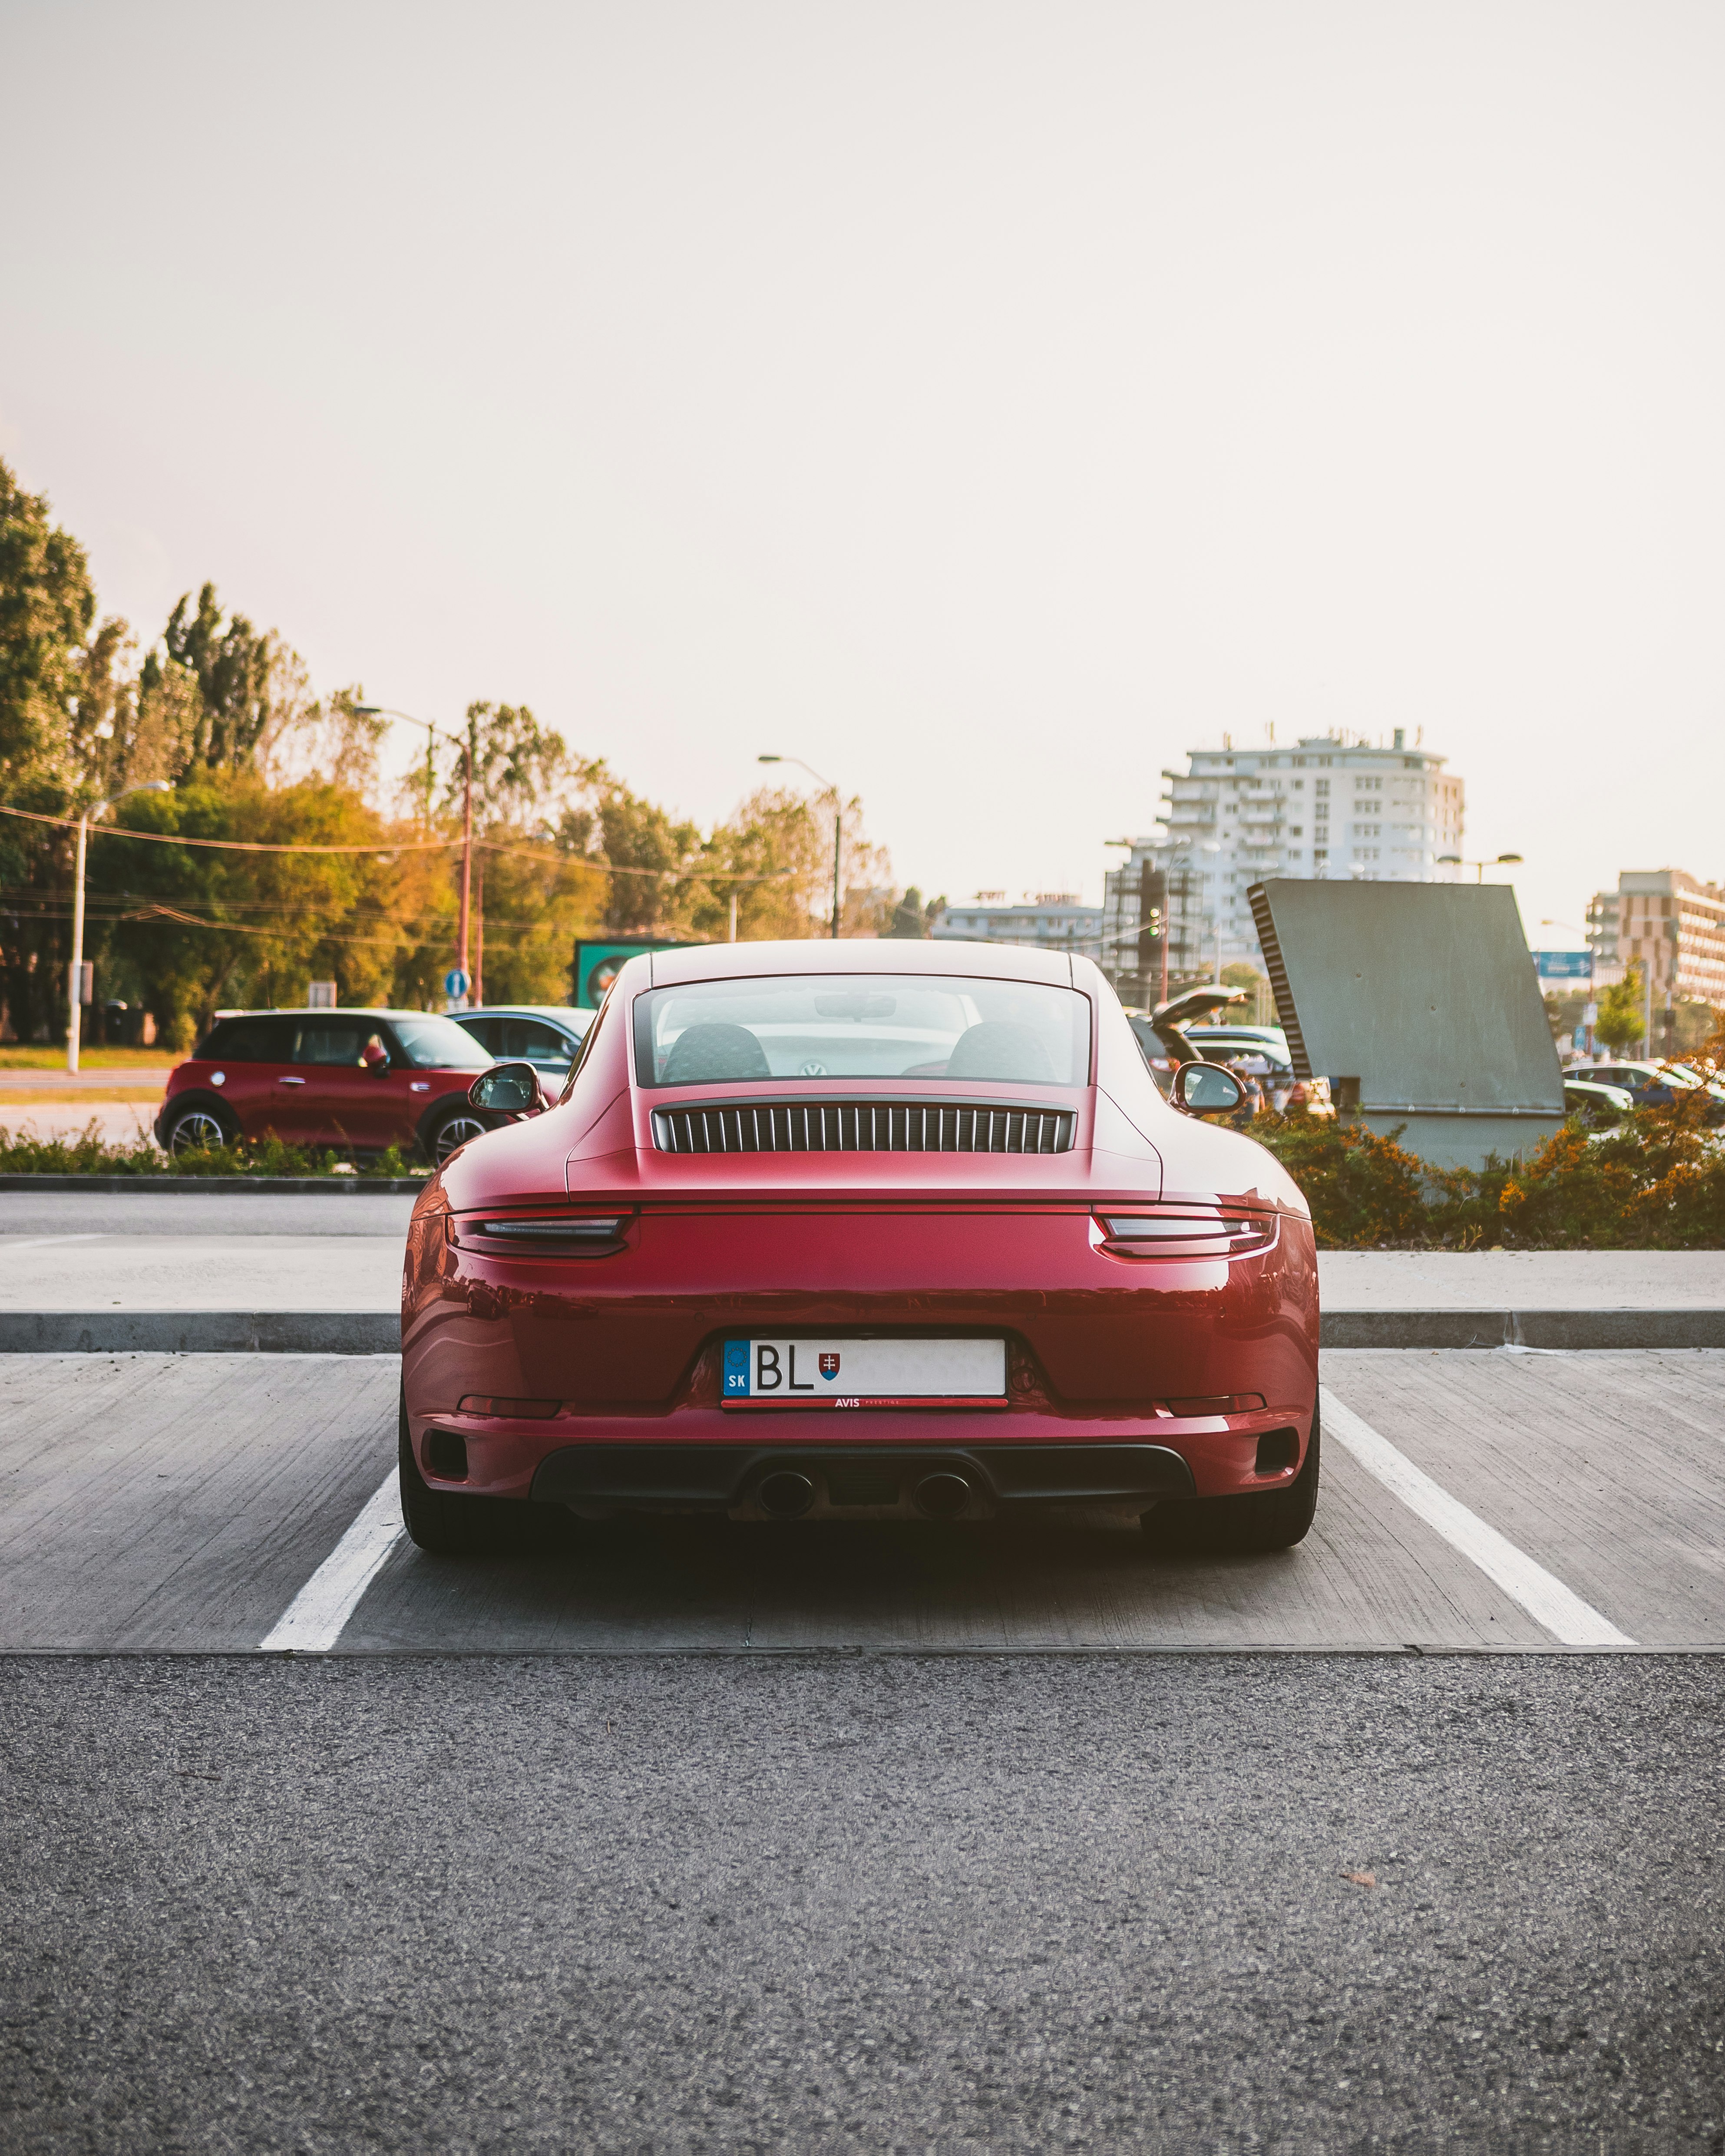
1540	1593
41	1242
314	1620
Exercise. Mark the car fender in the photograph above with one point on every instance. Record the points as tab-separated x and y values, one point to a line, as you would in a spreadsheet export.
193	1096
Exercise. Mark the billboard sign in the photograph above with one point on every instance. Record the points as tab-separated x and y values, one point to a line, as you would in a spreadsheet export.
597	965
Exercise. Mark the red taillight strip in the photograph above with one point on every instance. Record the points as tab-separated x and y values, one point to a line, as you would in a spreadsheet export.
1186	1234
551	1233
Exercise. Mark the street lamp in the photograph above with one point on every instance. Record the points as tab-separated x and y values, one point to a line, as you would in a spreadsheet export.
75	979
466	748
838	822
1455	860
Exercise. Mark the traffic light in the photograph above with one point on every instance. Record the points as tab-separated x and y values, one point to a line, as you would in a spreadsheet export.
1152	920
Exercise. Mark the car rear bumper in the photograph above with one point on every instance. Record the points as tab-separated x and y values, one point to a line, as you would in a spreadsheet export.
854	1482
709	1461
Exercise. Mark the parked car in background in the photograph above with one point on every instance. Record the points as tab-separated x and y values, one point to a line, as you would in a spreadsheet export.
362	1081
1257	1054
1596	1104
546	1036
1655	1084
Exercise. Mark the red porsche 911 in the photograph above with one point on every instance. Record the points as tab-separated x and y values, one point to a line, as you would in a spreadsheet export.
860	1230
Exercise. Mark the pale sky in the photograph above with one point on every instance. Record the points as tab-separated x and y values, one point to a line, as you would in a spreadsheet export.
984	402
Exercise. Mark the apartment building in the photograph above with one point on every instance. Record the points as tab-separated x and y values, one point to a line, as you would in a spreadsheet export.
1670	924
1328	806
1054	920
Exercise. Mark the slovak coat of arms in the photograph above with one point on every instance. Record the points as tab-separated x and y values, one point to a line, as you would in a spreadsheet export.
829	1366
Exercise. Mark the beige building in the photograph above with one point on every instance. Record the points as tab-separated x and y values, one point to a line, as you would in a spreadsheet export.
1670	924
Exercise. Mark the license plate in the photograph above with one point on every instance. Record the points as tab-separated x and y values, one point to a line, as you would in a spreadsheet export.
840	1372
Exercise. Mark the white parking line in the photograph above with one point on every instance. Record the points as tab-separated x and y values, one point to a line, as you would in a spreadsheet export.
314	1620
41	1242
1540	1593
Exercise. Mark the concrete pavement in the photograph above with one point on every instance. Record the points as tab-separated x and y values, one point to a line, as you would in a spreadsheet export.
182	1503
138	1271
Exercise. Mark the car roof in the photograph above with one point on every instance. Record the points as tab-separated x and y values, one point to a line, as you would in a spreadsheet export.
339	1010
563	1013
1000	962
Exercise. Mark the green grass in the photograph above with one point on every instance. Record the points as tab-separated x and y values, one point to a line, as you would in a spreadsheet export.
19	1055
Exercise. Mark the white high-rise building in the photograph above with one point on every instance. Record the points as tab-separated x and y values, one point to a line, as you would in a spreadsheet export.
1328	806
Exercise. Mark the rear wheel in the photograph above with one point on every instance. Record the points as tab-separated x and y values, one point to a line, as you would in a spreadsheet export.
200	1128
1259	1520
455	1129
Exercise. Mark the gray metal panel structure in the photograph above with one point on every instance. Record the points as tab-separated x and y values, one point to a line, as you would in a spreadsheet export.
1426	993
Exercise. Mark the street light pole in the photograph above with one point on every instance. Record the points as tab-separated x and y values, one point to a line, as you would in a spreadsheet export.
467	851
74	983
838	828
468	748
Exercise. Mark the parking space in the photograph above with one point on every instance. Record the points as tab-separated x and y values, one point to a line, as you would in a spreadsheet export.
183	1502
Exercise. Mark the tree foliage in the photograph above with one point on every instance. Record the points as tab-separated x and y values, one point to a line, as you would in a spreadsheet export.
225	714
1622	1017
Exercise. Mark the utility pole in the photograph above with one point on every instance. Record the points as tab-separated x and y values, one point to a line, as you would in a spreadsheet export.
467	750
74	974
837	829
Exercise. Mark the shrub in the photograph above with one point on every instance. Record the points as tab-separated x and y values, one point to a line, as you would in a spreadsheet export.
89	1154
1656	1181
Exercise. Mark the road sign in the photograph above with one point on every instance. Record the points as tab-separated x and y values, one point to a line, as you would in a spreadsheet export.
454	984
1564	965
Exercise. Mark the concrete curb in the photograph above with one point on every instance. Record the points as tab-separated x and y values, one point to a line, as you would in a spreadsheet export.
378	1331
1524	1328
216	1186
200	1332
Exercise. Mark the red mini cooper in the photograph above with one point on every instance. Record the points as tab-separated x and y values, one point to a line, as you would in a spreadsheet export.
360	1079
860	1230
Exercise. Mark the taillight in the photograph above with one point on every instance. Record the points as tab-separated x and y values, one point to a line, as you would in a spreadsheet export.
589	1235
1185	1235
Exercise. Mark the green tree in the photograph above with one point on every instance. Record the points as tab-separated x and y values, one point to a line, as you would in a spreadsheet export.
912	918
197	930
1622	1015
47	610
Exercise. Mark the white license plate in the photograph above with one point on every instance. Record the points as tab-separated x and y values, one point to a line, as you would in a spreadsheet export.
838	1371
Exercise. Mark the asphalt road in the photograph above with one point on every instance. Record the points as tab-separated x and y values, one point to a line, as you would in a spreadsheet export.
157	1214
850	1903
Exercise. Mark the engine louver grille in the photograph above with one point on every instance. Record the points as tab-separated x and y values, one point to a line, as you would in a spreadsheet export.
861	1127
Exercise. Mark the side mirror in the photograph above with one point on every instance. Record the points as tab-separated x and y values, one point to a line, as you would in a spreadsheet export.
1206	1089
507	1089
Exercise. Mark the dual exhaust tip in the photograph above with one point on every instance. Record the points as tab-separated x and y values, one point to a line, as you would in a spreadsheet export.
787	1493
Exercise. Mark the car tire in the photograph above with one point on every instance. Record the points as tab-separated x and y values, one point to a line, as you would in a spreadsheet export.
454	1129
1259	1520
199	1124
450	1524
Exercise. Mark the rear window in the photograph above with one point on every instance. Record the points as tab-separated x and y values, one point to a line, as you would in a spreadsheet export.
847	1025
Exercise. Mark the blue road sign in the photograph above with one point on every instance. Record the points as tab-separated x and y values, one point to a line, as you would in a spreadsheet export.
454	983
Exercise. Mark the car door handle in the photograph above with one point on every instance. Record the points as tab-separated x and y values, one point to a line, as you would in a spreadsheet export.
291	1081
